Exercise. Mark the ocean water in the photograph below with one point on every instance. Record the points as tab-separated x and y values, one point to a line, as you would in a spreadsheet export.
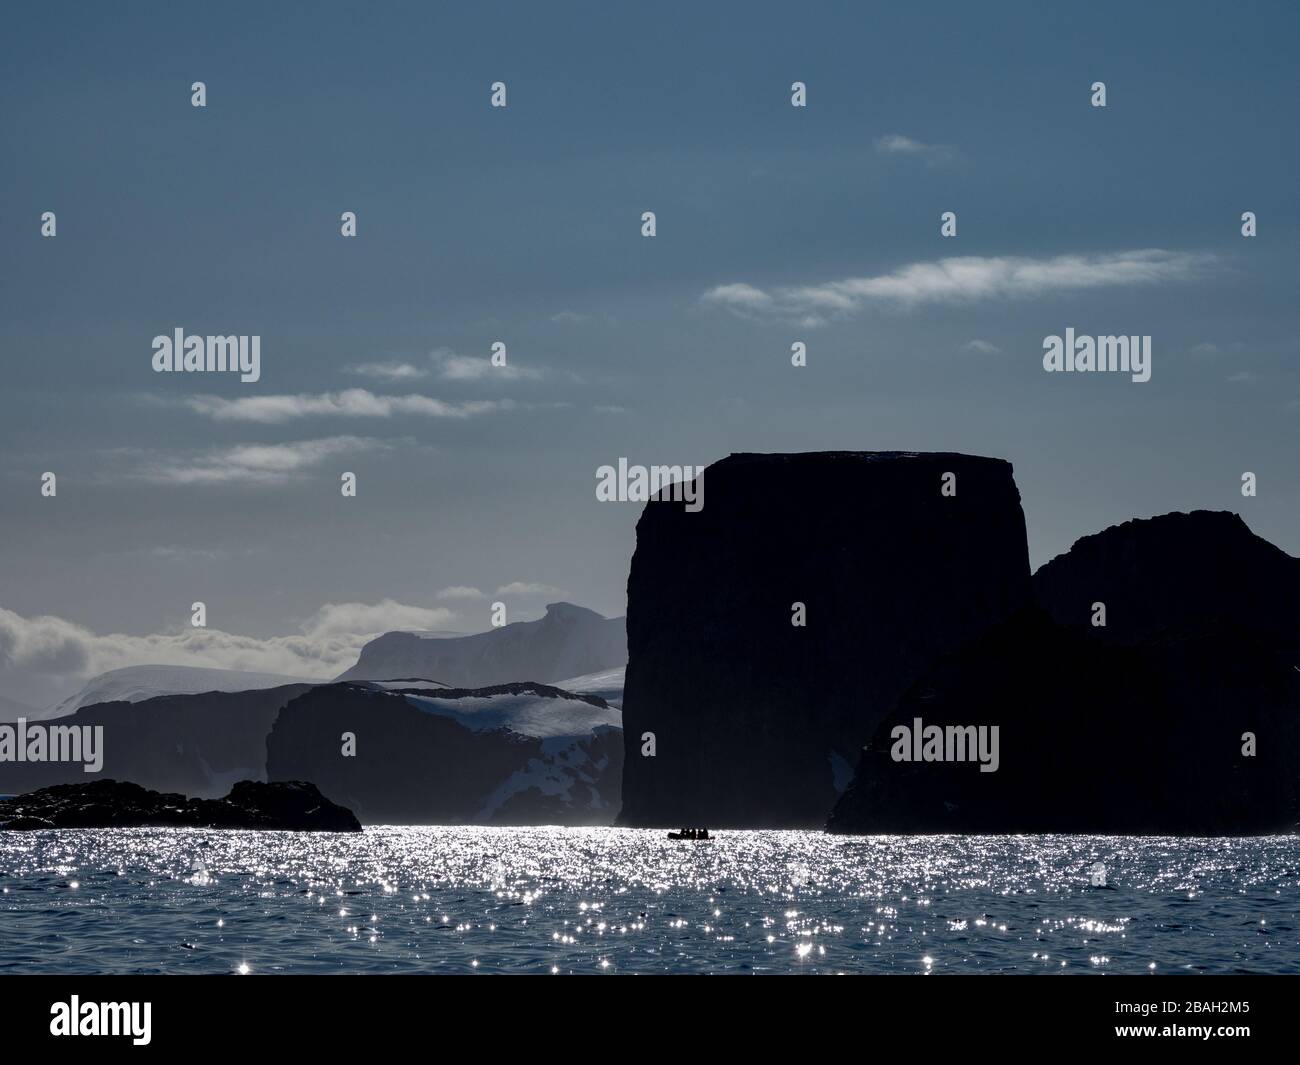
553	900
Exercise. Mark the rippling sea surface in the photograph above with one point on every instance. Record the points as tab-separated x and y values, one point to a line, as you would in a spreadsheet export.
566	900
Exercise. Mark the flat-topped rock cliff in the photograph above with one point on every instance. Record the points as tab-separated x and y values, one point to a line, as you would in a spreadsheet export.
897	558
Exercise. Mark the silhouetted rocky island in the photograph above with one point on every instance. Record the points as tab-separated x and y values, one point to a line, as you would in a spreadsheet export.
1152	689
896	558
287	806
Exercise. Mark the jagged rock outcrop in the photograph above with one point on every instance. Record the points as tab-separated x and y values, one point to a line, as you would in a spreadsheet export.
755	720
1136	727
295	806
510	754
194	744
569	641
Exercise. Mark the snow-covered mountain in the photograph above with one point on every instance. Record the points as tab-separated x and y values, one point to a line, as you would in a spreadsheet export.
134	684
568	642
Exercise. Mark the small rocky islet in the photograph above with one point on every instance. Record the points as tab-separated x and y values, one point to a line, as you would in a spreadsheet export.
293	806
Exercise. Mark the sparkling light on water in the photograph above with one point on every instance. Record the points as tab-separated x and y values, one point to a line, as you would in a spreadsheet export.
551	900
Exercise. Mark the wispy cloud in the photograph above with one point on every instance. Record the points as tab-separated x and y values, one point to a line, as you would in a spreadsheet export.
570	318
349	403
460	591
527	588
340	619
981	347
253	463
959	280
895	144
453	367
388	371
738	295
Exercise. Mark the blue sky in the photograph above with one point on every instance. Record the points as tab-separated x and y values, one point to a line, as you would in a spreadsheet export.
523	225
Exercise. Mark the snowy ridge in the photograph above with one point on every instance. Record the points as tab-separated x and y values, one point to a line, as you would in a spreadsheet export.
608	684
528	713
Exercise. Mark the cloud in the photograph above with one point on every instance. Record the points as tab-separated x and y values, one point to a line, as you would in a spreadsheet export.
527	588
185	555
453	367
342	619
1244	377
960	280
329	643
388	371
460	591
350	403
570	318
253	463
738	294
981	347
895	144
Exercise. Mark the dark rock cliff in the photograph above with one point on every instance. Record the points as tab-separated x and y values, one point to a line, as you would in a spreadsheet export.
754	718
1137	727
